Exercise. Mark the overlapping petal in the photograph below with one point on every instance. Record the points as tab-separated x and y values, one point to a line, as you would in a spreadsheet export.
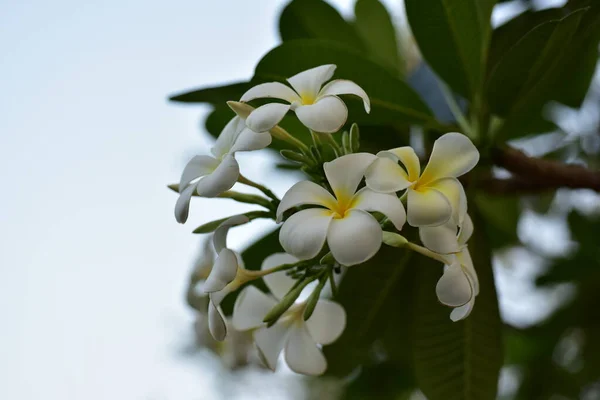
216	323
270	342
466	230
223	272
387	204
221	179
304	233
454	288
197	167
462	312
441	239
275	90
355	238
182	206
248	140
308	83
227	137
343	86
384	175
220	235
454	192
407	156
302	354
265	117
250	308
427	207
327	114
327	322
305	192
345	173
453	155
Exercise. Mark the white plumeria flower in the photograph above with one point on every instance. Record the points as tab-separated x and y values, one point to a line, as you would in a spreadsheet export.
435	195
459	284
353	235
318	108
299	338
209	176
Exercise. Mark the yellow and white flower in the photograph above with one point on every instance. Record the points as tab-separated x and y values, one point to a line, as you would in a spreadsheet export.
352	234
209	176
434	196
318	107
300	339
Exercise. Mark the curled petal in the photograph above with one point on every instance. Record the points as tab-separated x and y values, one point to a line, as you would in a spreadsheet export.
250	308
197	167
464	257
220	235
275	90
462	312
453	155
302	193
216	323
182	207
409	159
441	239
307	83
264	118
466	230
386	176
270	342
228	136
302	354
387	204
355	238
326	115
248	140
343	86
345	173
453	190
454	289
279	283
223	272
304	233
427	207
222	178
327	322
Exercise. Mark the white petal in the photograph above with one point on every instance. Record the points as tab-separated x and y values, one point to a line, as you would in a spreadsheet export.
464	257
228	136
427	207
386	176
407	156
387	204
264	118
182	207
197	167
275	90
250	308
249	140
441	239
343	86
278	283
302	354
222	179
466	230
453	289
327	115
205	260
223	271
216	323
270	342
453	155
462	312
303	234
345	173
453	190
303	193
220	235
327	322
308	83
355	238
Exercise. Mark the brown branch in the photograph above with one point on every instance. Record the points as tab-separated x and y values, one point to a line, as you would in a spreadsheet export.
540	173
514	186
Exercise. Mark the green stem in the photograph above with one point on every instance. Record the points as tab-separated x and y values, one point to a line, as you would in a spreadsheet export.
246	198
427	253
330	140
267	192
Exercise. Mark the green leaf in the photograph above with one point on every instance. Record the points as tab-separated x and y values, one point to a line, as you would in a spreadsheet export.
368	294
315	19
392	100
374	25
458	360
212	225
213	95
523	80
453	37
501	215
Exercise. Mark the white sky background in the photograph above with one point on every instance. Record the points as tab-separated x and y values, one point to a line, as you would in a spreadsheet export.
92	262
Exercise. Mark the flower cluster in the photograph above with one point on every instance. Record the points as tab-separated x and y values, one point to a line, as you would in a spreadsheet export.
352	204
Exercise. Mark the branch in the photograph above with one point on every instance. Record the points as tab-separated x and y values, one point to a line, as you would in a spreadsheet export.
547	174
514	186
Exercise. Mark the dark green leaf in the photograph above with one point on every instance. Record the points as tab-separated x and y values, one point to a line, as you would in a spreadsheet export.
315	19
453	37
213	95
458	360
385	381
501	214
374	25
392	100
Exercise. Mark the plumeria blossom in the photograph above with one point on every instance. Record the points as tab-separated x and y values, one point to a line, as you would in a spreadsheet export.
209	176
299	338
196	296
434	196
459	284
352	234
318	107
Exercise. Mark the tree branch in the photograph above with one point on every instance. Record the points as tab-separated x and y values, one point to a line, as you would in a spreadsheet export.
538	174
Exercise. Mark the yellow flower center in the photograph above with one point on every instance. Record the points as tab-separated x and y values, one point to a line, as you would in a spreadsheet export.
342	206
307	99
